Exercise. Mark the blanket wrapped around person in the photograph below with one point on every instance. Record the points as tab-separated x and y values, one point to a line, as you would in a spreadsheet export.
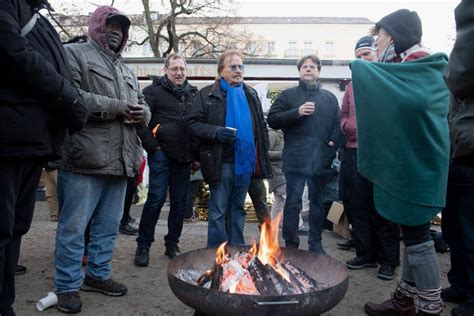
403	136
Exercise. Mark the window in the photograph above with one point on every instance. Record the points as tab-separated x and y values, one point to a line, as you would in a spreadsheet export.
292	47
270	48
308	48
329	48
251	48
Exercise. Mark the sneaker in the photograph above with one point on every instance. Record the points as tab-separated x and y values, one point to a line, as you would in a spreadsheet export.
107	287
142	257
346	245
386	272
172	251
128	229
360	263
451	294
19	269
69	302
464	309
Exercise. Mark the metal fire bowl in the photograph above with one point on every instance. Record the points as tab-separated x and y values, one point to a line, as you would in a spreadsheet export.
326	270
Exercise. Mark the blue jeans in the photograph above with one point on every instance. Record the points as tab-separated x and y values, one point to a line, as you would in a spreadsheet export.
294	190
164	173
228	198
83	198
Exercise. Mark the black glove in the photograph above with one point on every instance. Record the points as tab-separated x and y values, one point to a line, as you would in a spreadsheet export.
225	135
71	109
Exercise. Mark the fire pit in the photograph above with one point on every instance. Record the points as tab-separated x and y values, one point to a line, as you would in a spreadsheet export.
328	272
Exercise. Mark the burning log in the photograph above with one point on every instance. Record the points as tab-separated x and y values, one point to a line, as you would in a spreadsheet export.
283	286
206	277
217	277
261	278
307	282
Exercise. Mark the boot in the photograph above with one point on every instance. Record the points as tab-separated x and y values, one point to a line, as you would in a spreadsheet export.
401	304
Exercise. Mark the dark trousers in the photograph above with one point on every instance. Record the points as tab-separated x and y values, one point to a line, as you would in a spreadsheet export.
193	188
18	184
294	191
131	189
164	174
458	228
375	237
258	195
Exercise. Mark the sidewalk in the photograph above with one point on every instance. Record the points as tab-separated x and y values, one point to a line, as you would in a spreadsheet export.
148	290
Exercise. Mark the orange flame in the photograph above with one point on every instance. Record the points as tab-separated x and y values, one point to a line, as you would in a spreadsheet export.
269	247
253	250
220	253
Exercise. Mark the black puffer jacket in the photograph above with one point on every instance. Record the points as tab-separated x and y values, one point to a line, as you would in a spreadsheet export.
170	107
208	114
460	81
35	91
306	148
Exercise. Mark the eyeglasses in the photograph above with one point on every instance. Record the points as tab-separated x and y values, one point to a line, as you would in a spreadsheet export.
176	69
234	67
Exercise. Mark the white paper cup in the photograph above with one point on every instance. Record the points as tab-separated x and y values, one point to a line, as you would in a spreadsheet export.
46	302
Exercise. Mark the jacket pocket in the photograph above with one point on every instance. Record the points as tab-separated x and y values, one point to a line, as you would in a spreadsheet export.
101	80
90	148
132	88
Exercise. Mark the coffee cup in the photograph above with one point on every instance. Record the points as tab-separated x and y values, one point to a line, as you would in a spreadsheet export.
46	302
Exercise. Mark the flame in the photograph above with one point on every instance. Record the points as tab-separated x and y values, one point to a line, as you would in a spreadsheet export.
253	250
221	253
269	247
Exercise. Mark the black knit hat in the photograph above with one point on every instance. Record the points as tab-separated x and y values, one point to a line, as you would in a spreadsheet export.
365	42
404	27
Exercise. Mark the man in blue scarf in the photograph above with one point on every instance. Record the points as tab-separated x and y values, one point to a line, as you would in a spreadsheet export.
309	118
227	117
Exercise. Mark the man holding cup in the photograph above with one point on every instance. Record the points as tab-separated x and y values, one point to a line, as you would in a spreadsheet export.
96	162
309	118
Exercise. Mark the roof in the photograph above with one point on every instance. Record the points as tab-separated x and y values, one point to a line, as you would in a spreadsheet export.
277	20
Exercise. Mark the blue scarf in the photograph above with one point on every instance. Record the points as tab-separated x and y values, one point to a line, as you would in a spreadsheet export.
238	117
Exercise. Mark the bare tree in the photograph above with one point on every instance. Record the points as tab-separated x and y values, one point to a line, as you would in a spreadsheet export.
194	28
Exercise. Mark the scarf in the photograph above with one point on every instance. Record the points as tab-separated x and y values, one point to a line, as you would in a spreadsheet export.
388	55
178	91
238	117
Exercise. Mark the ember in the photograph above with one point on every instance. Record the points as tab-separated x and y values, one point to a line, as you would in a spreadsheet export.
260	271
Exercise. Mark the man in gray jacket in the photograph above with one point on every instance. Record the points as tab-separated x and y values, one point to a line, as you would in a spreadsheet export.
97	161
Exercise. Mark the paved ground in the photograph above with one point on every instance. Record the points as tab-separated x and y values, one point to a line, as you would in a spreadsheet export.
148	290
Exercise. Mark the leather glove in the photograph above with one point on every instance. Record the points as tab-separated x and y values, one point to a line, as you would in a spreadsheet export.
225	135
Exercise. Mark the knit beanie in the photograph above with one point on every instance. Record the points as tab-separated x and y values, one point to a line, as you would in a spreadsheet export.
404	27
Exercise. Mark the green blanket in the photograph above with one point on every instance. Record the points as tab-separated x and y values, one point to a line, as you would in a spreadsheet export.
402	135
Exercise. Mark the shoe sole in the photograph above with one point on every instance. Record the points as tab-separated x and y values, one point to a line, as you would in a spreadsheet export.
68	311
385	277
88	288
141	264
367	265
128	233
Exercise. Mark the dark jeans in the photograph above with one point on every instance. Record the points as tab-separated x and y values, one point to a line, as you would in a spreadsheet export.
294	190
164	173
258	195
193	188
375	237
458	228
18	182
131	189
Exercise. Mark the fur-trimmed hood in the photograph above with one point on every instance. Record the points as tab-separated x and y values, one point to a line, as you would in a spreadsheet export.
97	23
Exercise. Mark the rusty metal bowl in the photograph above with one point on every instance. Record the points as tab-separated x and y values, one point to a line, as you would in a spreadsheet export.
327	271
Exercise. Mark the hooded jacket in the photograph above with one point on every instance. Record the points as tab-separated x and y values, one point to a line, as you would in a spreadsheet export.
170	108
36	95
106	145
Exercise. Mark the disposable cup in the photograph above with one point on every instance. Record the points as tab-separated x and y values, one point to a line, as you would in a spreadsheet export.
46	302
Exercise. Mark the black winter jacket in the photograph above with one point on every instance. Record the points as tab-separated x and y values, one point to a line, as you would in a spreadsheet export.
460	81
170	108
306	138
36	95
209	114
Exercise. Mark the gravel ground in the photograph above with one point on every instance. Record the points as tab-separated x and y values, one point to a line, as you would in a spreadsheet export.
148	290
